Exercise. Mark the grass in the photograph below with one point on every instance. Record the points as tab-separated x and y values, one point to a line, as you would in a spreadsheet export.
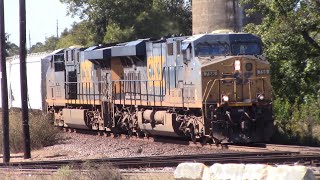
101	172
42	132
88	172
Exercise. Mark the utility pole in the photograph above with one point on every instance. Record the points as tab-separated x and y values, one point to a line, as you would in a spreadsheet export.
4	88
23	79
29	40
57	28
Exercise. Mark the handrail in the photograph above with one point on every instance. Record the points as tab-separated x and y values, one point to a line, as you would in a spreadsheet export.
133	93
207	95
205	103
206	89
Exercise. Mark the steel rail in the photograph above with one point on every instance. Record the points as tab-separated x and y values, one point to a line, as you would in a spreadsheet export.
172	161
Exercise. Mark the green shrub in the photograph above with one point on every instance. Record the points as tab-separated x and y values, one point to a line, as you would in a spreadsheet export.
42	132
297	122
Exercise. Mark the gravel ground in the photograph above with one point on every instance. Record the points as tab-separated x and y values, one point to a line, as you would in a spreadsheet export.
84	146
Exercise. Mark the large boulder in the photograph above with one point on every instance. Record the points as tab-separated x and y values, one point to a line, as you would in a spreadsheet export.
226	171
290	172
198	171
255	171
189	171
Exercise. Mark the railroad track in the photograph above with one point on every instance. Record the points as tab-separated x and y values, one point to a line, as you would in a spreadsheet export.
301	149
173	161
247	148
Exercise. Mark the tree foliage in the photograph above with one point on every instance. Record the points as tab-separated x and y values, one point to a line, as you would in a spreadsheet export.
290	32
11	48
122	20
50	44
78	35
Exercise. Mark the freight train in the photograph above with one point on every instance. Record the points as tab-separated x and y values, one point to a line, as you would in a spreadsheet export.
203	87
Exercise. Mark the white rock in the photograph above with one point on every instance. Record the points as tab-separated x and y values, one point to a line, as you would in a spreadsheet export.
255	171
216	171
226	171
189	171
272	173
290	172
206	174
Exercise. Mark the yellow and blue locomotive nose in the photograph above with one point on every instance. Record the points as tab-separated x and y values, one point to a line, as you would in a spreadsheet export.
238	81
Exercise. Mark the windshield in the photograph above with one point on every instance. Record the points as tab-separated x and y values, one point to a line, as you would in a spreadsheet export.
212	49
246	49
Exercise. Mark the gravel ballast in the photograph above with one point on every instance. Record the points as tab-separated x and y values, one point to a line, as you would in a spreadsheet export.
85	146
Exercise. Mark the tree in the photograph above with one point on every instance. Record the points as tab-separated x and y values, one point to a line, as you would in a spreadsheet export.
79	35
50	44
290	32
11	48
132	19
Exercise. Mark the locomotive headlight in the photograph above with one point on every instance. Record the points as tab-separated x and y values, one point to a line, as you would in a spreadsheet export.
261	97
225	98
237	65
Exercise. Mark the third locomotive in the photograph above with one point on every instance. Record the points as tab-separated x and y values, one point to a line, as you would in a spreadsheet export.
209	86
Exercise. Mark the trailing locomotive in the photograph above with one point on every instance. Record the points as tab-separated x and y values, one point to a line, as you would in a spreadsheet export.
209	86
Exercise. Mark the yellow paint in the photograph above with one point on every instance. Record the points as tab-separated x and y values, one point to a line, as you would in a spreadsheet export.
154	70
86	72
73	101
158	103
238	104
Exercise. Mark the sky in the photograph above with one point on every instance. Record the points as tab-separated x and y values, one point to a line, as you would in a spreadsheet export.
42	16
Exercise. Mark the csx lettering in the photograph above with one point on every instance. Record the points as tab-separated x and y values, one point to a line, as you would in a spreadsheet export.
86	76
155	70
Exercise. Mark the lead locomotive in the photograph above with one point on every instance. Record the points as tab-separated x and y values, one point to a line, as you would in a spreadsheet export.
210	86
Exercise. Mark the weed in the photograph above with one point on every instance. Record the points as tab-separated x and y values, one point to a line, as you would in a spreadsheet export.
88	172
42	132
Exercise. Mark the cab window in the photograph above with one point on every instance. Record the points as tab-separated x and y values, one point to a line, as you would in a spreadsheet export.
58	62
246	49
214	49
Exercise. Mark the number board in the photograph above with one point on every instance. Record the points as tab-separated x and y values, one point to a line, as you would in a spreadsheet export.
210	73
263	71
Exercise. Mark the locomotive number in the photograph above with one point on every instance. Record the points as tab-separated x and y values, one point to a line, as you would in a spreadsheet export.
263	71
210	73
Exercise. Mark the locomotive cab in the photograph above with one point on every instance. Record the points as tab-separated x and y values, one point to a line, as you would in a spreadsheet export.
235	87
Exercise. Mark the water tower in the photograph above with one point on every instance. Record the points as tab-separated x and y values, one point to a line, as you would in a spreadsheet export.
212	15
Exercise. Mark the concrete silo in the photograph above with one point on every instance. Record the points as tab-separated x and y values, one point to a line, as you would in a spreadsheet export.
211	15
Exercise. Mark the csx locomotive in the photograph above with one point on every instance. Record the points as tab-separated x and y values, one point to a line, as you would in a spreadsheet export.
210	87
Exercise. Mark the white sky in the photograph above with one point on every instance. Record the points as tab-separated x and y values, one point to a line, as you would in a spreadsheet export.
42	16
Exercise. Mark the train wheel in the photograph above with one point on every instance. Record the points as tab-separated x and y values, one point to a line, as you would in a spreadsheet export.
216	141
268	130
140	134
192	134
204	140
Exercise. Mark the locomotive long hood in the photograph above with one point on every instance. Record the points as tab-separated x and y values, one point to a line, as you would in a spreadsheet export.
132	48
